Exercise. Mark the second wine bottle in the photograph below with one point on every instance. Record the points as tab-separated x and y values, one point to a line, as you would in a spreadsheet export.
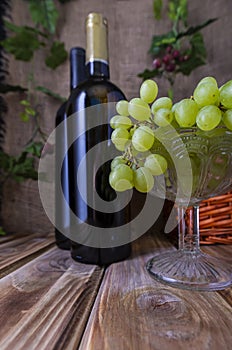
77	76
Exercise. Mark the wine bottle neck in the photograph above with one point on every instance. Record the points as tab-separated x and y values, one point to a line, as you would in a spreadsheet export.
98	69
77	67
97	46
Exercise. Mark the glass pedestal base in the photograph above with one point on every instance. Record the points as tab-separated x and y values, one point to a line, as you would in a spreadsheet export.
190	270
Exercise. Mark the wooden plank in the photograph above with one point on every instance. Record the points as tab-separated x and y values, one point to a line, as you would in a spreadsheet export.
133	311
7	238
46	303
18	251
225	252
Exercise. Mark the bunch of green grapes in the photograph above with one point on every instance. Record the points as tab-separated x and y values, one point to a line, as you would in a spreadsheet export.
208	107
136	121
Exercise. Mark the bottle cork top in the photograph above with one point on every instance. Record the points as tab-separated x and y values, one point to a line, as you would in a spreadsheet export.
96	38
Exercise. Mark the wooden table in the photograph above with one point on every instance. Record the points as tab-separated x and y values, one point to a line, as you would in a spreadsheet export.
50	302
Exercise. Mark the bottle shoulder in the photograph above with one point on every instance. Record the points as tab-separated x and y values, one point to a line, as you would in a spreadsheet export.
89	86
93	91
60	114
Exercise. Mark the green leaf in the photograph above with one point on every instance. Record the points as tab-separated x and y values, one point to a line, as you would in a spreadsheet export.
197	55
18	168
183	10
24	116
4	160
25	103
50	93
192	30
23	44
178	10
148	74
18	29
12	27
24	170
30	111
160	41
5	88
44	12
157	8
2	232
58	55
35	148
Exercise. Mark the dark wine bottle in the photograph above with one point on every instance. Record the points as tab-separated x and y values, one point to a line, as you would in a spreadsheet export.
99	92
77	76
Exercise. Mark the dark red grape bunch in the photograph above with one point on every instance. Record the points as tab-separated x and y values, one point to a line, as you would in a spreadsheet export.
170	60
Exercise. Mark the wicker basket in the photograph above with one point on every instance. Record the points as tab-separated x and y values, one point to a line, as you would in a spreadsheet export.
216	220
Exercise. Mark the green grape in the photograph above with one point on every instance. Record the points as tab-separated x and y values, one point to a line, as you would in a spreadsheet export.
121	178
120	136
122	146
206	94
226	94
119	121
163	117
143	138
208	118
148	91
143	180
174	107
139	109
210	80
227	119
122	108
117	161
186	112
156	163
162	102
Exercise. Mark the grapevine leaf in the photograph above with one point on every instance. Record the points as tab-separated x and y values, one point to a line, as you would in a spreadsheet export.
45	13
17	29
157	8
177	10
24	169
23	44
4	160
50	93
30	111
160	41
148	74
192	30
35	149
18	168
197	55
58	55
5	88
2	232
24	117
12	27
25	103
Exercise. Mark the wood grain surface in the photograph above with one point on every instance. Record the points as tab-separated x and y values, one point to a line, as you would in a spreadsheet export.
46	303
16	252
55	303
133	311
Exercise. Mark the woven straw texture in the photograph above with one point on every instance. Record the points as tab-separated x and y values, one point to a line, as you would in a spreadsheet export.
216	220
